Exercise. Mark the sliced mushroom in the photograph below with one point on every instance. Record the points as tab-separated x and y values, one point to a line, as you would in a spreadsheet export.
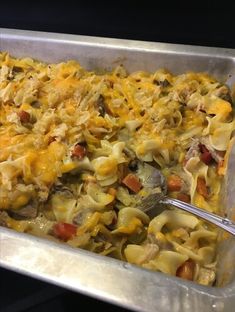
224	93
35	104
81	216
133	165
151	177
62	189
101	105
163	83
29	211
17	69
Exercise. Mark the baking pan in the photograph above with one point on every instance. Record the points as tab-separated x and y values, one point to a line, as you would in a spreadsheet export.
98	276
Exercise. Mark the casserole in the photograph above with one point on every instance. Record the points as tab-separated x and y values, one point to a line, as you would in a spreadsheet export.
218	62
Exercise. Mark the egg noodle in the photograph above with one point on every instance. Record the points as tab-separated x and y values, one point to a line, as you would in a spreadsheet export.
80	150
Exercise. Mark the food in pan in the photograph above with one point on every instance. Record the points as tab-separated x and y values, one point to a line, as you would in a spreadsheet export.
79	151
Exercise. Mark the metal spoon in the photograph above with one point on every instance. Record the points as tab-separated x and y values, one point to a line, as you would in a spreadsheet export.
157	201
152	202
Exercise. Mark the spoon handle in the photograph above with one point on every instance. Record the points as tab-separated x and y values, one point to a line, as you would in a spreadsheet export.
224	223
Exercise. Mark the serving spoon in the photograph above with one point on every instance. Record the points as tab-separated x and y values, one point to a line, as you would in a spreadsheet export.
156	201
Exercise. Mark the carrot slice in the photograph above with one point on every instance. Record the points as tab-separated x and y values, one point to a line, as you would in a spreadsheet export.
64	231
184	197
186	270
79	151
24	116
132	182
174	183
202	189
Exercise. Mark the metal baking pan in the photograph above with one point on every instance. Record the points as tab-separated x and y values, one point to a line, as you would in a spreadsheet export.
101	277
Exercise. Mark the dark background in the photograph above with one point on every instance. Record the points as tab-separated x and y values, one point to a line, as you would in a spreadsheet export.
207	23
